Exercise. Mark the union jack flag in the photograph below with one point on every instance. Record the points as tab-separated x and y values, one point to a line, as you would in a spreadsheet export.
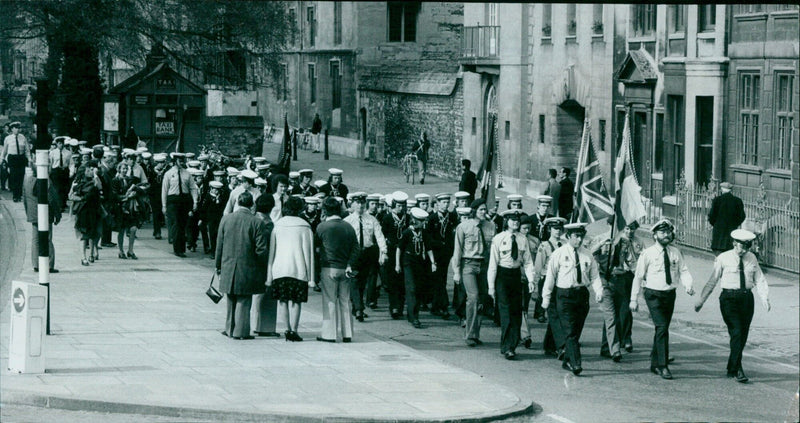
591	196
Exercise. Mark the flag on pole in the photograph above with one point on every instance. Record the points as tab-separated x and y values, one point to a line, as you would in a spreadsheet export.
591	196
628	204
486	171
285	156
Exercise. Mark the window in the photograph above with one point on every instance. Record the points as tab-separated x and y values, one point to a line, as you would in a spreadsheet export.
311	19
337	23
312	83
572	24
597	18
675	113
749	90
784	118
644	19
547	19
508	130
293	20
677	18
336	85
491	18
402	21
749	8
658	151
541	129
601	128
706	17
283	88
474	125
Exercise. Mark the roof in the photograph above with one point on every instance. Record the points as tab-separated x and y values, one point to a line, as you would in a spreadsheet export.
638	66
147	73
235	121
401	81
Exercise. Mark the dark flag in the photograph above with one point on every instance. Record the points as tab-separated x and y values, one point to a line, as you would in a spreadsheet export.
285	156
486	171
591	197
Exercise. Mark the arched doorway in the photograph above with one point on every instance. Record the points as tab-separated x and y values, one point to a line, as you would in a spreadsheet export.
568	132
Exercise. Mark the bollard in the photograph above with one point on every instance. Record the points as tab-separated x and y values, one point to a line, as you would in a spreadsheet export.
43	223
26	346
327	157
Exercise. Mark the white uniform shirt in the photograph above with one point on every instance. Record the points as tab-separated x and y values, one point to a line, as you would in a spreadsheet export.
372	230
726	273
650	270
500	255
562	271
60	159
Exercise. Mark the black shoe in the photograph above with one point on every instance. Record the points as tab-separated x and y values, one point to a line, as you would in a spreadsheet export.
181	255
239	338
463	323
605	354
541	319
373	305
417	324
616	357
569	367
293	336
269	334
54	270
424	307
422	181
157	237
665	373
471	342
445	316
108	244
224	333
360	316
510	355
528	343
561	354
550	353
629	348
321	339
654	370
36	269
741	377
731	374
122	256
347	340
317	288
132	256
670	360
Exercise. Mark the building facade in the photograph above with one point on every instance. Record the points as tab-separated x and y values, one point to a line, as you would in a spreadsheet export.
762	97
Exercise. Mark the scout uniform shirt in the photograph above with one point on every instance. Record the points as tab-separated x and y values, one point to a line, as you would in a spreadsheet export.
726	273
469	243
501	255
562	272
367	226
650	270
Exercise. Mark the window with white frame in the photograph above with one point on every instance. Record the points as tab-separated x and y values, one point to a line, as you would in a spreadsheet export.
336	84
706	17
749	90
547	20
677	18
311	21
597	18
644	19
784	119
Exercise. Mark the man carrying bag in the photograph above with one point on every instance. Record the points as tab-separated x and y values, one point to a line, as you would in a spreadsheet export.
15	154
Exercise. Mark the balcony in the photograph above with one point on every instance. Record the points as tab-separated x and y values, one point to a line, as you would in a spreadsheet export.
480	46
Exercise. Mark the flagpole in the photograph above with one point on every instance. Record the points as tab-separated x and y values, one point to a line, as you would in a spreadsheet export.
618	191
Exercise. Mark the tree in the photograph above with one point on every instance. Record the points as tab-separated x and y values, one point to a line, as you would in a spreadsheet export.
215	41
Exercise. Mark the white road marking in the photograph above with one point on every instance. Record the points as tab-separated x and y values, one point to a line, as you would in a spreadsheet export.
778	363
559	418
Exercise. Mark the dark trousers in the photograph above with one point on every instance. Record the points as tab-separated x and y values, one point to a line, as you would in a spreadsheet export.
195	228
108	224
367	263
573	307
737	312
178	208
619	288
60	178
661	305
237	318
158	216
16	175
3	176
508	288
372	291
213	229
395	285
460	300
538	311
416	277
554	335
439	283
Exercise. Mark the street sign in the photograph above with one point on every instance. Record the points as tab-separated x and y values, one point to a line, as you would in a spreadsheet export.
19	300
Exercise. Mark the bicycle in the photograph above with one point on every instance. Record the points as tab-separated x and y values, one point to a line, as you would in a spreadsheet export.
409	165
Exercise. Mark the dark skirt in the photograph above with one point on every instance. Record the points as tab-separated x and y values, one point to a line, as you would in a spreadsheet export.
290	289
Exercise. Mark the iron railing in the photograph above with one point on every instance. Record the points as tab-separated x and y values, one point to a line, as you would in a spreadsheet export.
481	42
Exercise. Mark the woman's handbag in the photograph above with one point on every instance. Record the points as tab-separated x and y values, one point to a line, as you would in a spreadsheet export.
212	292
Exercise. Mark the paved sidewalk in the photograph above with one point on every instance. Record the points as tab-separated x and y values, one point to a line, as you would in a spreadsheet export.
142	337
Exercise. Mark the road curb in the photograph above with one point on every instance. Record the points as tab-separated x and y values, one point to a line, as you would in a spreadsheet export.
77	404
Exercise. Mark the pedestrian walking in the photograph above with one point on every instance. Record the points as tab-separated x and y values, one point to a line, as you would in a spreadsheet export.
572	269
553	189
85	195
441	228
179	197
658	271
468	270
195	225
414	258
30	188
60	158
157	178
726	214
421	147
372	247
525	225
617	293
738	272
542	232
265	306
291	268
393	226
247	183
338	255
469	181
280	189
128	212
16	154
565	199
241	263
316	129
508	257
106	171
372	291
215	202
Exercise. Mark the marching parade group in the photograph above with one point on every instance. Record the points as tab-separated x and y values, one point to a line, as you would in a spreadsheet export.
274	236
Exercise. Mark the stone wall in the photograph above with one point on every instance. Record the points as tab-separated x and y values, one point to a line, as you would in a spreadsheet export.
235	135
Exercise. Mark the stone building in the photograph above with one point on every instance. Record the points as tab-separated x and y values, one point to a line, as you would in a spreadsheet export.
762	97
541	68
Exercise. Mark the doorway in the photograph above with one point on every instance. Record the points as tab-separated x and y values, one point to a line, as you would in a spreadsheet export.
569	130
704	136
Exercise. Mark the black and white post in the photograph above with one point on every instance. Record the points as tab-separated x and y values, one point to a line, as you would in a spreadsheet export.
43	223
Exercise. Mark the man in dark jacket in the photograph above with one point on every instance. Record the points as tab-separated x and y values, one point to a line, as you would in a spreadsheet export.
469	181
726	214
30	190
241	259
565	202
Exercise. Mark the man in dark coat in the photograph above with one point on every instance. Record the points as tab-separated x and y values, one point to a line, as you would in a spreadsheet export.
241	258
565	201
726	214
469	181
